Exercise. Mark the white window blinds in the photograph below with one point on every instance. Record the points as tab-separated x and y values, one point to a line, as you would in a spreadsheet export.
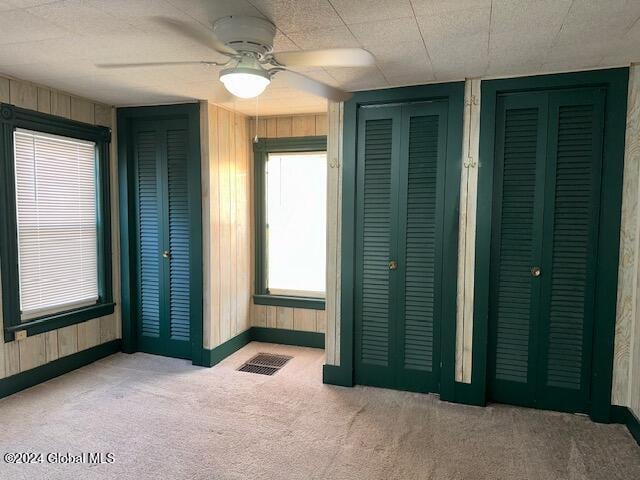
57	222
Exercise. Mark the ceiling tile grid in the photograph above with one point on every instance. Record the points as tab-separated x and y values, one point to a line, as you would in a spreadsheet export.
59	43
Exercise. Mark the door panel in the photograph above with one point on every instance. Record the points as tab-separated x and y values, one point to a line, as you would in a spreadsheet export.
163	274
401	200
520	147
373	330
548	160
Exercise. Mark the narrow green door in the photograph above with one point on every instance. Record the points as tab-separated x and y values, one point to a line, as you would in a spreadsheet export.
162	237
401	151
544	234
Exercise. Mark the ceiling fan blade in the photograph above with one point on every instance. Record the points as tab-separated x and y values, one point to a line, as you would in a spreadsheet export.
150	64
208	39
309	85
330	57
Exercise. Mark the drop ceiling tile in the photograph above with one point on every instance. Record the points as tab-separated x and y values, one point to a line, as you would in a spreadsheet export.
329	37
4	6
282	43
430	7
372	10
582	62
595	31
19	26
79	18
402	55
387	32
520	16
26	3
588	11
207	12
298	15
457	23
459	57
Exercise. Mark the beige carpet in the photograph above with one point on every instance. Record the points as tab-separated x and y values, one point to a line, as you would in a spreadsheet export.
162	418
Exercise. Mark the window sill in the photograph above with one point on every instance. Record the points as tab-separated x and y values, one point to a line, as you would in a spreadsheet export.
59	320
294	302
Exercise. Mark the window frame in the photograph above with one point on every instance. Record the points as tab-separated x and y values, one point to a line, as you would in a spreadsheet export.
261	150
11	118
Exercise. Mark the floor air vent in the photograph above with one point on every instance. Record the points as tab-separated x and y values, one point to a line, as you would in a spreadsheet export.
265	364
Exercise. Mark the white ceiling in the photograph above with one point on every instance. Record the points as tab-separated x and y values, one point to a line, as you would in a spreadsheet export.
58	43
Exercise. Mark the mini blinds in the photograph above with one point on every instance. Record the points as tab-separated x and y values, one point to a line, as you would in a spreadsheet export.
56	221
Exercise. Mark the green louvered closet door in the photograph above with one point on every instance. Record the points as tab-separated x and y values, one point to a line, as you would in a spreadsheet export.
544	244
162	237
401	151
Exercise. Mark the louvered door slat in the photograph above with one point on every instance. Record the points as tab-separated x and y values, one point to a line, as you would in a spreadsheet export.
567	315
420	243
516	248
179	288
149	233
376	242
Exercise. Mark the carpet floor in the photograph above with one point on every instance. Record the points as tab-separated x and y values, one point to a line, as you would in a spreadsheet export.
162	418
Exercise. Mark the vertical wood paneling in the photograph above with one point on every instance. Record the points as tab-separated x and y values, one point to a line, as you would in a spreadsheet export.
290	126
284	317
272	316
67	340
321	321
226	221
36	350
303	125
259	315
467	226
304	319
11	358
322	124
5	92
272	128
284	127
51	345
334	234
88	334
23	94
32	352
60	104
44	100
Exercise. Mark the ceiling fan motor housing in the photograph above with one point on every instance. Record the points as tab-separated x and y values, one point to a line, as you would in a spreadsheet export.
246	34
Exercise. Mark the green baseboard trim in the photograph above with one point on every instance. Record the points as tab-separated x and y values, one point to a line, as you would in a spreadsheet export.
626	417
287	337
20	381
467	394
222	351
335	375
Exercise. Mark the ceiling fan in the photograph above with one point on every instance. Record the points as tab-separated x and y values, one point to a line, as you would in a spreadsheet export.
248	42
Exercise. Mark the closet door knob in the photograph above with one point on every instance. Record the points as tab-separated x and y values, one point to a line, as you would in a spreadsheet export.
166	254
535	271
393	265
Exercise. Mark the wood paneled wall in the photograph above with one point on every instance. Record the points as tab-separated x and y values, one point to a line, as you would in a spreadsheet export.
18	356
226	210
284	317
626	363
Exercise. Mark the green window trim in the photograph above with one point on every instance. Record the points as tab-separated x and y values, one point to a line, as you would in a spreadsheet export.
261	150
11	118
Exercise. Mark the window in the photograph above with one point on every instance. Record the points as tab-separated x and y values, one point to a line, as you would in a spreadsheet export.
56	222
296	223
291	218
55	248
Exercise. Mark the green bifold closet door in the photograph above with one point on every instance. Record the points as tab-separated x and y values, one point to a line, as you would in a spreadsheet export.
548	161
400	201
160	151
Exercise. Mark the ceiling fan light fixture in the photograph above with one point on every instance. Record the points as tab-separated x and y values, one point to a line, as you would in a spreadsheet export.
247	79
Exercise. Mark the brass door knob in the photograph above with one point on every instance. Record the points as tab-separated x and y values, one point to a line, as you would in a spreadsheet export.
536	272
166	254
393	265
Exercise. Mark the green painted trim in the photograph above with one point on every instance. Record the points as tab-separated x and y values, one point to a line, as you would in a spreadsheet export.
626	417
287	337
615	81
261	150
453	93
222	351
261	334
335	375
126	117
64	319
20	381
294	302
12	117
